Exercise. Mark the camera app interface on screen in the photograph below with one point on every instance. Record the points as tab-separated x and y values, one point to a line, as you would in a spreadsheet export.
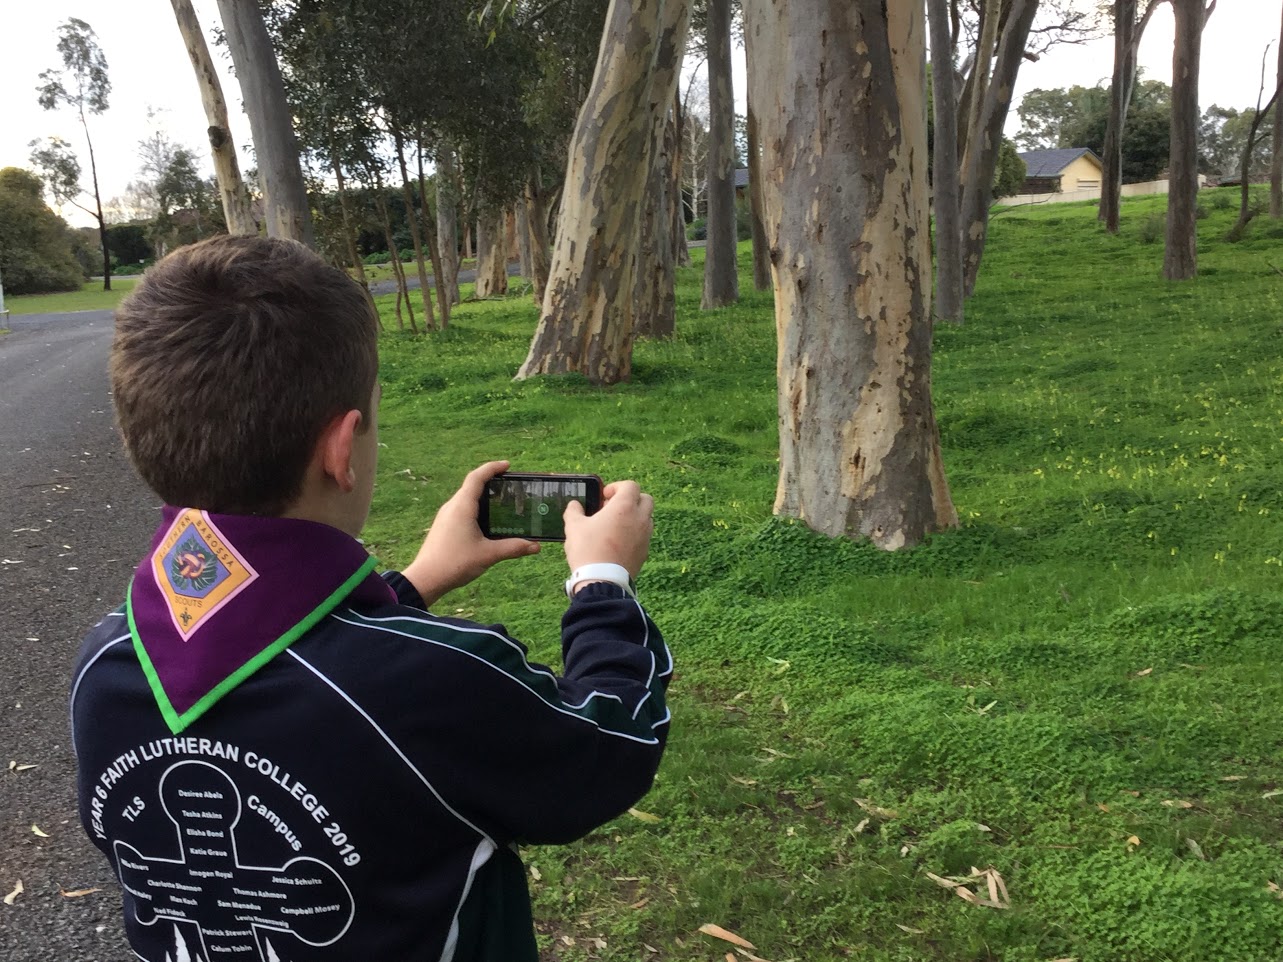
532	508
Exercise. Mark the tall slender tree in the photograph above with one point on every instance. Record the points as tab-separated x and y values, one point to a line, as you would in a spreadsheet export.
1128	32
271	125
721	275
761	255
1180	255
846	201
82	84
237	210
946	191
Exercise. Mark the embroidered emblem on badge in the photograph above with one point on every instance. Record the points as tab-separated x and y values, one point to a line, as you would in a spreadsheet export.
197	570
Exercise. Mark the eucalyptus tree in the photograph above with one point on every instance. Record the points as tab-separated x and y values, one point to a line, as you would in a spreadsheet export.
1131	17
1276	160
1180	252
237	210
587	321
271	125
82	84
721	273
846	203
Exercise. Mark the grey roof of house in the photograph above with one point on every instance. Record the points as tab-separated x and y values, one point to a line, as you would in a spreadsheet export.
1049	163
741	177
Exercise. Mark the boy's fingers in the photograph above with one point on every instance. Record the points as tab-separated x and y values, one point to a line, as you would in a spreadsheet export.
573	510
476	479
510	548
627	491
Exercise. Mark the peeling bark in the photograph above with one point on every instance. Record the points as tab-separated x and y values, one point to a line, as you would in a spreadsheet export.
761	256
1180	255
586	323
231	188
676	206
845	191
1276	161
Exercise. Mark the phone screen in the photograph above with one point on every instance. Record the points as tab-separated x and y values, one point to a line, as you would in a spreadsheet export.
531	505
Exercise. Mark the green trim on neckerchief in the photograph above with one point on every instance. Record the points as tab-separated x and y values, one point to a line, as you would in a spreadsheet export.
177	722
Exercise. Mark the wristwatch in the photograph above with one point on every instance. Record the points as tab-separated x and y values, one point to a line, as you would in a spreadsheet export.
612	573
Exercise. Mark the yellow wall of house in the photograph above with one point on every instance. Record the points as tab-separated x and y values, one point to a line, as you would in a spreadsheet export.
1081	174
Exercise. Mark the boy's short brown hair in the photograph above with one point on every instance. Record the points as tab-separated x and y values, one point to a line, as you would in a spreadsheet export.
230	358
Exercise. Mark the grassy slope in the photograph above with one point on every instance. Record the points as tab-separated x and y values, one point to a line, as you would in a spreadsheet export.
1078	688
90	297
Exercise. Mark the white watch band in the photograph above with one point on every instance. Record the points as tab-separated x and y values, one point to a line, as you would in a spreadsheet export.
612	573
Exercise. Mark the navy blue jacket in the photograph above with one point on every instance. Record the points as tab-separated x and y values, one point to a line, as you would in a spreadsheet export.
361	795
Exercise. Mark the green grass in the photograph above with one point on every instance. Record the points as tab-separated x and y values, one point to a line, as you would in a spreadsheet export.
1078	688
90	297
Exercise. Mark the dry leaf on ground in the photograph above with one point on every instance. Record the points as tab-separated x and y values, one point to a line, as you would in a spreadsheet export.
643	816
1177	803
909	929
1133	841
76	893
1233	778
13	896
717	932
38	832
1143	672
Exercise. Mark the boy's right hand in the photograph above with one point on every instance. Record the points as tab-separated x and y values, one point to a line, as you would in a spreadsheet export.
619	533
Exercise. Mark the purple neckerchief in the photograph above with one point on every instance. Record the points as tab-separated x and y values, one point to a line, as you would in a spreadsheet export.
220	595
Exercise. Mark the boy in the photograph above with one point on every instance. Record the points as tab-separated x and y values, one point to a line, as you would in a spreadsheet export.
283	754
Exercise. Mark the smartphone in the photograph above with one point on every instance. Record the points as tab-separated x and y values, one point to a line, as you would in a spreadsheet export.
531	505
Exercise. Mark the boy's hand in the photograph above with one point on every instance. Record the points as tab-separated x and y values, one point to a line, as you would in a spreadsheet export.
619	533
455	551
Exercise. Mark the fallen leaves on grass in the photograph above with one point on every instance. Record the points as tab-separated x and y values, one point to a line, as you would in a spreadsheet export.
13	896
989	878
909	929
1133	841
1197	849
76	893
717	932
1143	672
1272	793
1177	803
1273	887
877	810
1233	778
644	816
744	781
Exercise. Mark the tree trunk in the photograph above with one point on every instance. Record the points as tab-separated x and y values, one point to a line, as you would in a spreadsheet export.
434	249
537	222
1276	161
978	89
986	139
586	324
761	256
677	204
231	188
1111	179
402	288
469	251
721	274
448	221
492	261
349	233
1180	257
946	194
270	121
1245	211
412	218
521	225
847	219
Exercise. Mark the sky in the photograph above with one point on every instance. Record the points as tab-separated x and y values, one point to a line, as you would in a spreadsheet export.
150	72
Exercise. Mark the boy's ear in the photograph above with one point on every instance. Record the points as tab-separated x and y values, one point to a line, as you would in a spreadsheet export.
334	450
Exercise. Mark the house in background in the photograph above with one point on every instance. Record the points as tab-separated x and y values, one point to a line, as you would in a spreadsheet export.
1061	169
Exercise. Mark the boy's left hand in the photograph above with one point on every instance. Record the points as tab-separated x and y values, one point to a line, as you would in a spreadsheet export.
455	551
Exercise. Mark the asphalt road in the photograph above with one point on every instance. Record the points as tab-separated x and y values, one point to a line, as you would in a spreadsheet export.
73	521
